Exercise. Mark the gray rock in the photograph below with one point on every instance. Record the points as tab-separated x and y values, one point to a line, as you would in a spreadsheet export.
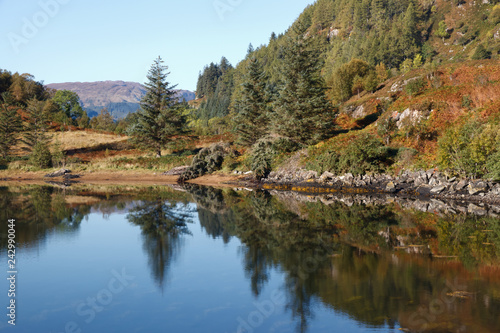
326	176
58	173
423	190
433	182
461	185
477	187
177	171
496	190
390	187
438	189
476	210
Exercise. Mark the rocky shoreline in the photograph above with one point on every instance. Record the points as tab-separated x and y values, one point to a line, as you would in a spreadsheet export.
430	184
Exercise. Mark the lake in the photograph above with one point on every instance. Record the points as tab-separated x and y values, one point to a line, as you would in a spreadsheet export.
200	259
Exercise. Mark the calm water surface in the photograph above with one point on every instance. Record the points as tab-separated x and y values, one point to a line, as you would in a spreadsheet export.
207	260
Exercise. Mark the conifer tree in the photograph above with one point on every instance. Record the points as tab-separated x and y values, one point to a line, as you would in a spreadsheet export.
408	39
252	118
10	126
160	116
302	112
36	129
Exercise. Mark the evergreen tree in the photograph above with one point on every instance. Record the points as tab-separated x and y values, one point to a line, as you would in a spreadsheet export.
370	83
10	126
302	112
442	30
36	128
84	120
250	49
252	118
408	38
160	116
103	122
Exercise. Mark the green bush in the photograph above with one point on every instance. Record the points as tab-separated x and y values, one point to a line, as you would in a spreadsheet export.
414	87
481	53
207	161
468	150
495	15
493	166
268	150
40	156
365	153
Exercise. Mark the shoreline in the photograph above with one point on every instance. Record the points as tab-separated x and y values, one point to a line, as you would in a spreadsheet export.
419	185
112	178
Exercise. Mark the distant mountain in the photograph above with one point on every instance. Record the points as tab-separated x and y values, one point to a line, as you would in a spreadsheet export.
119	97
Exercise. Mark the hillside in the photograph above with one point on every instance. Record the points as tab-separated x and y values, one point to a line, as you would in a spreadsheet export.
119	97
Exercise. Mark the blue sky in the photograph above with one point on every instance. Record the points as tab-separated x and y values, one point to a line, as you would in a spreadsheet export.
90	40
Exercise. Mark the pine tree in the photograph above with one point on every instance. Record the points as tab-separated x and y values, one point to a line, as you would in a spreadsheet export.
302	112
408	39
442	30
35	133
10	126
250	49
370	82
252	118
160	116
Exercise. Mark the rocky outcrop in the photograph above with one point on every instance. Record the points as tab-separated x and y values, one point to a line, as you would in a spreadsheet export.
177	171
432	205
58	173
430	183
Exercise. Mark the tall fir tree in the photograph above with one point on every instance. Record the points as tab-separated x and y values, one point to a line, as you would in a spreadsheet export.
160	116
251	122
301	111
408	39
35	132
10	125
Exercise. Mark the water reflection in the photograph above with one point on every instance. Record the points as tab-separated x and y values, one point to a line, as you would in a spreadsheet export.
39	212
162	224
380	265
384	266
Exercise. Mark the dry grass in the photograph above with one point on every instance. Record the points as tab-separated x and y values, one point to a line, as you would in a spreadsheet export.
84	139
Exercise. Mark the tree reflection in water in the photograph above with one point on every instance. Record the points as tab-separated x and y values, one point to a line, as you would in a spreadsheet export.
38	211
353	259
162	224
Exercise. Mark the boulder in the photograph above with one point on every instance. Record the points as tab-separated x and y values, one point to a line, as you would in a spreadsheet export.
438	189
58	173
177	171
326	176
477	187
476	210
461	185
423	190
390	187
